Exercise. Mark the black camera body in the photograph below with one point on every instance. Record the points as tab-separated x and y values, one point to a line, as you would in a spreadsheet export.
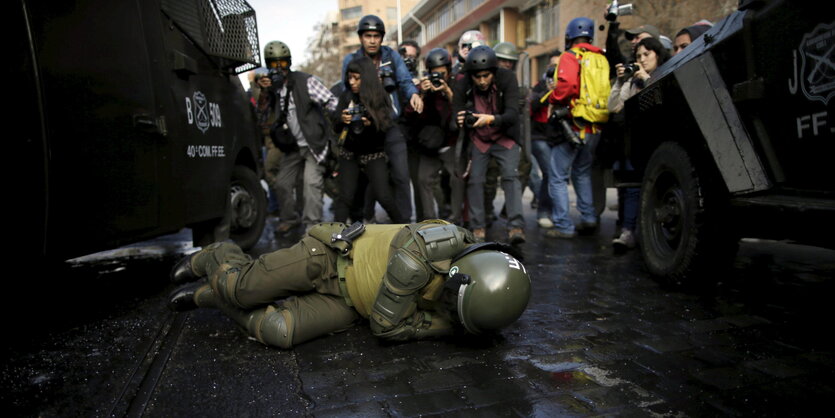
435	78
387	77
411	64
469	118
276	77
559	117
630	69
357	112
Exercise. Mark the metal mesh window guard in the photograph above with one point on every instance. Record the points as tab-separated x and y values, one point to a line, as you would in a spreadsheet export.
225	29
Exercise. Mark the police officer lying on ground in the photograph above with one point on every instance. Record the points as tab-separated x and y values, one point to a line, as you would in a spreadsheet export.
411	281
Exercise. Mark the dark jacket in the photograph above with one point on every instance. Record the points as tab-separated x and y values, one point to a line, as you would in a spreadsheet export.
311	116
432	128
508	100
369	141
388	58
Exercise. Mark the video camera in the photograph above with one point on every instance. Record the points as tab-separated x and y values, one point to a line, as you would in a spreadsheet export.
616	10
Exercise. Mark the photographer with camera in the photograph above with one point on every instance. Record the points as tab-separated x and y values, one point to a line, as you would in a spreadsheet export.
486	105
583	90
631	79
434	138
363	120
302	132
394	77
410	52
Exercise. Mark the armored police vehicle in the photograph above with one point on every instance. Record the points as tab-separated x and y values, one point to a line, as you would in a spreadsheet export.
734	138
131	123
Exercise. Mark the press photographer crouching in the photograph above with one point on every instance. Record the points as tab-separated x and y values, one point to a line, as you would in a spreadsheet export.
486	104
631	79
364	117
435	137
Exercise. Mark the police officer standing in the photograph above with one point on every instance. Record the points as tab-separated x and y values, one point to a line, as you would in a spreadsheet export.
396	78
410	281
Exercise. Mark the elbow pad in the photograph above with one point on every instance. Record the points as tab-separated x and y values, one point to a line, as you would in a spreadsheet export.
397	298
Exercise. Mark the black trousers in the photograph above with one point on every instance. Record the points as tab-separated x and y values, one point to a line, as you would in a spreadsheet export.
377	172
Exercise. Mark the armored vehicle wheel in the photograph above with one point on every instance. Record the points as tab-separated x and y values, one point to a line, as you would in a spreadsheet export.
684	231
248	206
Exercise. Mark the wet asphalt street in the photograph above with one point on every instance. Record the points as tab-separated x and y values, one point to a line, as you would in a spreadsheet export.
599	338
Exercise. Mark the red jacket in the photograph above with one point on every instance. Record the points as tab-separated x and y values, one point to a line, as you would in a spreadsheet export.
568	76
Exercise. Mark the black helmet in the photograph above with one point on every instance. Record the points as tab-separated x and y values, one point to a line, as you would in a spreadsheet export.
371	22
438	57
481	58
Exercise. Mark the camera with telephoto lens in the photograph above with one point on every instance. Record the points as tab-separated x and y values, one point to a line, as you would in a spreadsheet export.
469	118
387	77
630	69
357	112
616	10
560	117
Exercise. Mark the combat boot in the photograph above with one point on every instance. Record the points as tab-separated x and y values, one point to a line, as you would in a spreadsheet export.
182	272
182	298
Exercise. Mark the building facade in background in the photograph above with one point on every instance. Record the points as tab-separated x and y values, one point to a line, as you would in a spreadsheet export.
350	12
536	27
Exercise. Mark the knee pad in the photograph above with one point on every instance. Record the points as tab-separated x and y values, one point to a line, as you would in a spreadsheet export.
275	328
224	281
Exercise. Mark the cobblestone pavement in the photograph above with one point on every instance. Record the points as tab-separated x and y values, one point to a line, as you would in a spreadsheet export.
599	338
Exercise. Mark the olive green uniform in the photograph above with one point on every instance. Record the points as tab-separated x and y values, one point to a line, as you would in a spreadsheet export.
391	274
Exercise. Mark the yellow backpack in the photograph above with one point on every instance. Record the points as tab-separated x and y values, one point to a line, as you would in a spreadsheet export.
591	105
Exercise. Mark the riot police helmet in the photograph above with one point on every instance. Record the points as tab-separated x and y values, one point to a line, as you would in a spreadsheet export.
371	23
506	51
486	290
579	27
481	58
438	57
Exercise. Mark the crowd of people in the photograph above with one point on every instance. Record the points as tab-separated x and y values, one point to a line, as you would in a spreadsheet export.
443	142
451	135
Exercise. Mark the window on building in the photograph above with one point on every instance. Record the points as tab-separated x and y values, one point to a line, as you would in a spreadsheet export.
493	28
391	13
542	23
352	13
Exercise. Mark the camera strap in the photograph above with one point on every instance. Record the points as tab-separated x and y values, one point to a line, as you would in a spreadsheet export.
282	117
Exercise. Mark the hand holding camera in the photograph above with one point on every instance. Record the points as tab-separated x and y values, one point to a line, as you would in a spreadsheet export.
433	81
468	119
559	117
356	117
614	10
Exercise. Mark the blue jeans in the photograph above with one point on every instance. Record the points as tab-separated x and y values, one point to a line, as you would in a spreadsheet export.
570	160
541	151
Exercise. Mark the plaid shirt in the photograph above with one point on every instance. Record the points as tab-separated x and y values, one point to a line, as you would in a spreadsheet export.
318	93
